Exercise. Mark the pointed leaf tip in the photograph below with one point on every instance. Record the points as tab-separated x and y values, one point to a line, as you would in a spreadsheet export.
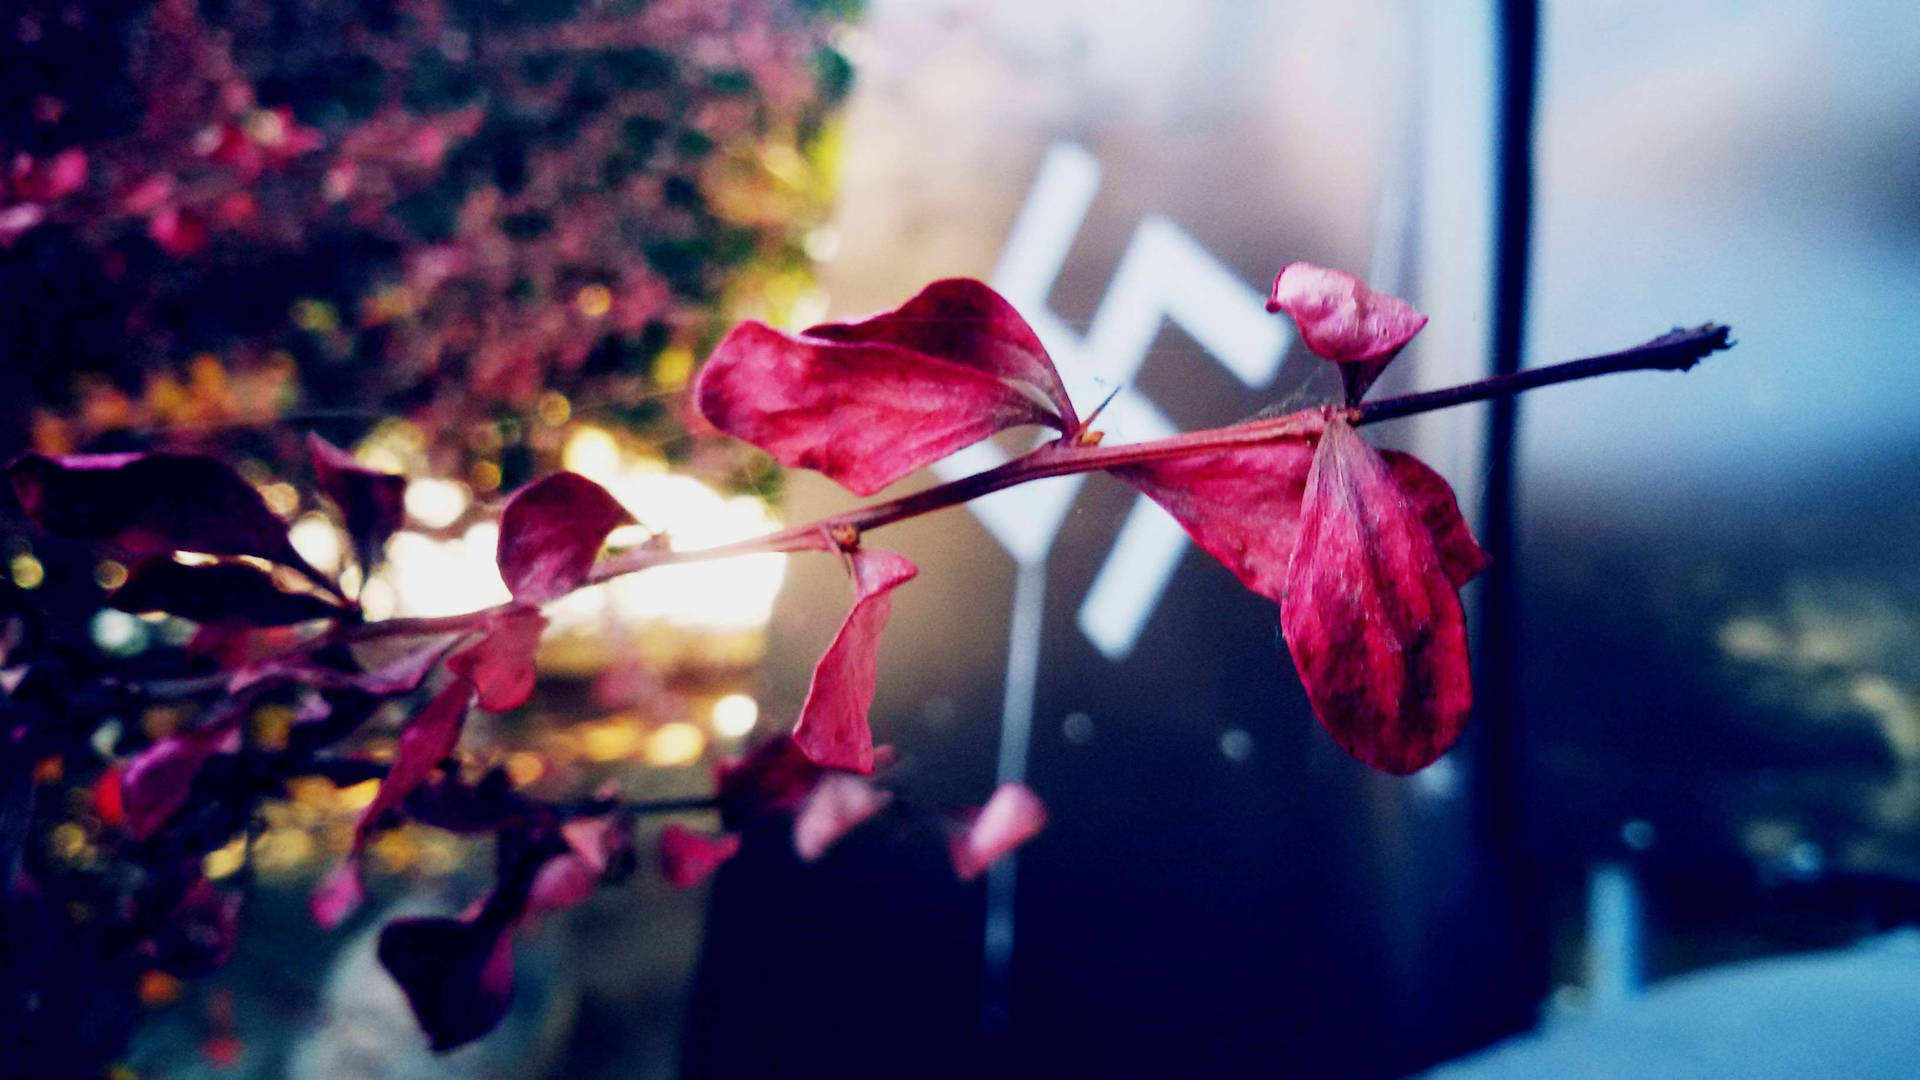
868	402
832	730
1371	616
372	503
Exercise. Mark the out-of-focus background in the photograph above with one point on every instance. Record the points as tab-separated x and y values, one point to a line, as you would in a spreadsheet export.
1683	837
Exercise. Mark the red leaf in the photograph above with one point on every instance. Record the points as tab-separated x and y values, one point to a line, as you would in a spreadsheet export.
867	403
832	730
688	858
1241	506
1344	321
500	665
838	804
429	737
1013	816
372	503
1432	498
1372	620
550	533
216	592
152	504
962	320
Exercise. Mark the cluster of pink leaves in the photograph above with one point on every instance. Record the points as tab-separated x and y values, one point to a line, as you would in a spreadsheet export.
149	508
1363	551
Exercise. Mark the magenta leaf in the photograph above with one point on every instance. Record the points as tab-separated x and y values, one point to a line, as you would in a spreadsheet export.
839	803
1344	321
338	895
688	858
152	504
457	974
1432	497
155	782
372	503
216	592
1371	617
500	665
1012	816
867	403
832	730
427	741
1241	506
550	533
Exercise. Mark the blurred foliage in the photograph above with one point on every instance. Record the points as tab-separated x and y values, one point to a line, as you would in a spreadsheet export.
219	215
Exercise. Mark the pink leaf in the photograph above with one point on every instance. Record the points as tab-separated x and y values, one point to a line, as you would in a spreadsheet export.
550	533
372	503
1241	506
427	741
1372	620
152	504
688	858
500	665
867	403
1013	816
1432	498
1344	321
338	895
832	730
839	804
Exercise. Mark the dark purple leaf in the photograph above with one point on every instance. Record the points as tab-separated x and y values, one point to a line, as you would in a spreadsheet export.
216	592
152	504
372	503
457	974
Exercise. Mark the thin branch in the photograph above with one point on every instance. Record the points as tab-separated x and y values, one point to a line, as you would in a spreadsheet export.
1677	350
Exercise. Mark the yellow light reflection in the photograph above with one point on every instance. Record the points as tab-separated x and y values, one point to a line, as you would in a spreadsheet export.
677	743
